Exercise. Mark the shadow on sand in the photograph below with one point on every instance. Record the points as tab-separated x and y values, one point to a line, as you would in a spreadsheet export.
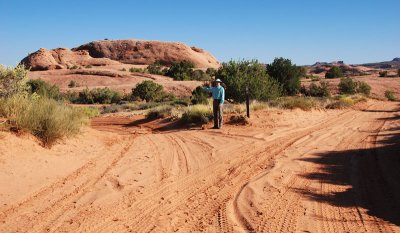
372	175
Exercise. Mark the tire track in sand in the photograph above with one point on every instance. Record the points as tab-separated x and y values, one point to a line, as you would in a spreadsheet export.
53	202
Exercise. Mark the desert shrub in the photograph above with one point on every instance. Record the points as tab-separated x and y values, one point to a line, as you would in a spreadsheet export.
148	90
123	69
321	90
211	72
156	68
197	114
13	81
96	96
199	96
383	74
237	75
111	109
390	95
350	87
200	75
44	89
45	118
137	70
363	88
74	67
90	112
161	111
72	84
287	74
88	66
334	72
181	70
347	86
304	103
234	108
344	101
256	105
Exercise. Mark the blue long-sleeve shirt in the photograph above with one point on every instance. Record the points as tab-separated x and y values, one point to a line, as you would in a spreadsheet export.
218	93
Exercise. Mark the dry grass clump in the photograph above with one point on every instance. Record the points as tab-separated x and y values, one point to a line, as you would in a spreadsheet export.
344	101
163	111
45	118
197	114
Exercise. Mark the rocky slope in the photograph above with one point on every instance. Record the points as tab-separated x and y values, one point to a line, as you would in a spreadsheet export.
111	52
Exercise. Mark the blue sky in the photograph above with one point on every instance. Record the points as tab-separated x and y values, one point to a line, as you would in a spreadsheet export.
305	31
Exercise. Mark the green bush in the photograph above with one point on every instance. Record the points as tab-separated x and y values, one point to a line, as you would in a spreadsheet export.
95	96
123	69
334	72
390	95
148	90
44	89
13	81
197	114
88	66
347	86
321	90
72	84
74	67
156	68
200	75
383	74
45	118
287	74
181	70
237	75
199	96
363	88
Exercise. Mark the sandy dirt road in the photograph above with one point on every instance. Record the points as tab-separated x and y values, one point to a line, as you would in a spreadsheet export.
328	171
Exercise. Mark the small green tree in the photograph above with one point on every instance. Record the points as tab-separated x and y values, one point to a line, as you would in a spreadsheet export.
13	81
148	90
181	70
287	74
347	86
199	96
334	72
237	75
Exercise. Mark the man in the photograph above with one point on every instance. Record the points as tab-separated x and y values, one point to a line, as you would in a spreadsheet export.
218	95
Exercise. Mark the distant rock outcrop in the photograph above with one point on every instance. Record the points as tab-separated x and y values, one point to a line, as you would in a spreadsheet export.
110	52
147	52
62	58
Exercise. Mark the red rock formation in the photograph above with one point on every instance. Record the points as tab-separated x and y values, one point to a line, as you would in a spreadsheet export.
109	52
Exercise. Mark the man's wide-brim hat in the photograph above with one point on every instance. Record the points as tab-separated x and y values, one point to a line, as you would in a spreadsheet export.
218	80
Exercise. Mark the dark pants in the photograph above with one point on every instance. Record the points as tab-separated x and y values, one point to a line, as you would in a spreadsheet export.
218	114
